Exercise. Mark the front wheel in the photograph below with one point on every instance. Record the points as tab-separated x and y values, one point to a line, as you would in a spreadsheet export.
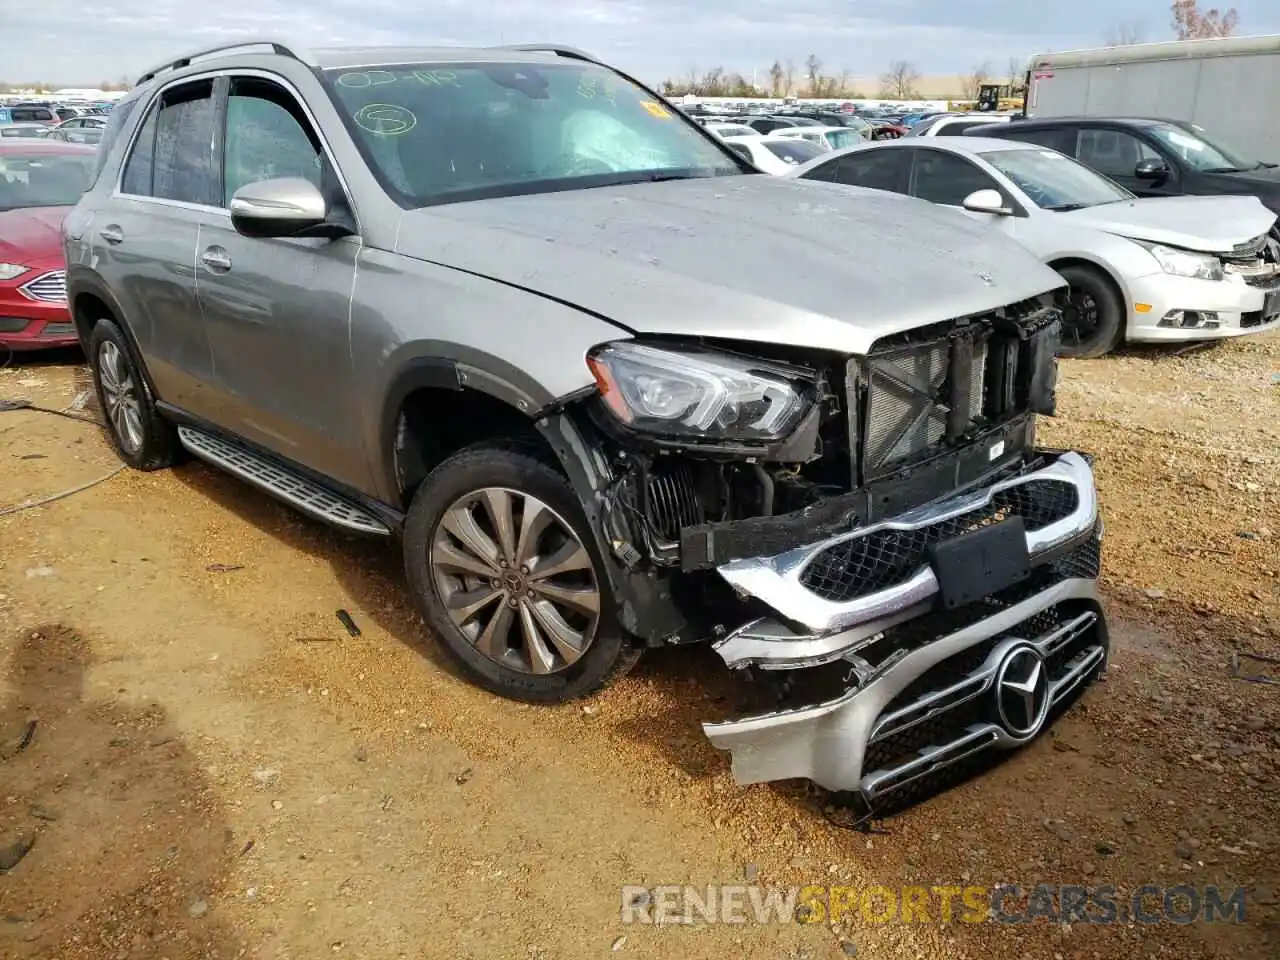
1093	314
505	572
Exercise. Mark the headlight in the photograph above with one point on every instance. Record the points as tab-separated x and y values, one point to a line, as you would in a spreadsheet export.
10	270
1184	263
696	393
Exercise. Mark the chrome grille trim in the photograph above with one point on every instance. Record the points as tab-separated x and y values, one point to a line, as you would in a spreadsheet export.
49	287
776	580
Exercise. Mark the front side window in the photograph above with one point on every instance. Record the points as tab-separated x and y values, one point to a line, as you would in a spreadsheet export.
440	133
266	137
110	134
1112	153
29	179
172	158
1199	152
1053	181
945	178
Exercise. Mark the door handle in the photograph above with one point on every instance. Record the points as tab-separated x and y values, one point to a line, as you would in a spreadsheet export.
111	233
216	259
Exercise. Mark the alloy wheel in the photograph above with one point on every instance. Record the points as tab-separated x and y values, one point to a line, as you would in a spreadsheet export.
120	396
1080	316
516	580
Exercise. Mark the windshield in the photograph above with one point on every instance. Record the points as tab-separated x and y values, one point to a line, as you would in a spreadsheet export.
794	151
441	133
1053	181
1198	152
43	180
839	139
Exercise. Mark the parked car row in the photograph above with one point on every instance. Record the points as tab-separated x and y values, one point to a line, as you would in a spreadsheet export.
1110	209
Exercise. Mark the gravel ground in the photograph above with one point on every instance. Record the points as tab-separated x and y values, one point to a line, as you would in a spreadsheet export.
217	769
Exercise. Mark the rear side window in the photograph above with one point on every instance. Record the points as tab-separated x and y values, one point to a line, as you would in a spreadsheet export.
797	151
957	129
172	158
1060	139
110	134
32	115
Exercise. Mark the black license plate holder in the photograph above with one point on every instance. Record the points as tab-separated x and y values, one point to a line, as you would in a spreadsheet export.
1271	304
980	562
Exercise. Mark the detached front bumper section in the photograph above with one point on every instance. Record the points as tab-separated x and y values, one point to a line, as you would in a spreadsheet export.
921	686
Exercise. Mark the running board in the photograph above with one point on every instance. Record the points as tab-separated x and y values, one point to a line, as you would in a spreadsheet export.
305	495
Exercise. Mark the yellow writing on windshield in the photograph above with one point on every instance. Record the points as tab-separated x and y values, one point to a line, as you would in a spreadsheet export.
385	119
656	109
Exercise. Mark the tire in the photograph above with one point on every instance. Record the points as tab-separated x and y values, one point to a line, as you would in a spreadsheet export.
445	588
142	438
1104	331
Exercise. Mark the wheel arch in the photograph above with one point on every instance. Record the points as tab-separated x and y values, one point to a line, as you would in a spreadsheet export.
88	301
1106	270
443	397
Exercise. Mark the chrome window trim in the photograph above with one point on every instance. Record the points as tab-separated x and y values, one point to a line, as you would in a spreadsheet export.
231	73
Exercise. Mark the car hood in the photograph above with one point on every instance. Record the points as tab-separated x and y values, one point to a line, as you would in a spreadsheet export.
31	234
751	258
1209	224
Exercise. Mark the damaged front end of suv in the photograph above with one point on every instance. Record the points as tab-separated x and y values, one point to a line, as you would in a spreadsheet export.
876	541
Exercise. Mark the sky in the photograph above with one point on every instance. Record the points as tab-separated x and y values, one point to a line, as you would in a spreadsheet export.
74	43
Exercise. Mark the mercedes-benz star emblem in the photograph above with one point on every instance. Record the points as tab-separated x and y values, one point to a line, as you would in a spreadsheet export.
1022	692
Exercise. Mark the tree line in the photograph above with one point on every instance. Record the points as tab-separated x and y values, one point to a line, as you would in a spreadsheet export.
902	80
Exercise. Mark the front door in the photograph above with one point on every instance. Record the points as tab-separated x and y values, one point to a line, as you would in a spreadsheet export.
277	310
1117	153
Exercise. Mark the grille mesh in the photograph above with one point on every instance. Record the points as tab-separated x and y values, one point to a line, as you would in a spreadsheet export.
50	287
888	557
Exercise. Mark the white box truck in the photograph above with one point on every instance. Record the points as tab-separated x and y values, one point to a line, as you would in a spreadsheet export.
1226	85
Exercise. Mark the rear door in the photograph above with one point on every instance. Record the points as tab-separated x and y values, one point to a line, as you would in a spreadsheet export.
278	310
144	239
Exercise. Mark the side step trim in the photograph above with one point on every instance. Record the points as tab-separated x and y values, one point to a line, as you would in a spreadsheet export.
298	492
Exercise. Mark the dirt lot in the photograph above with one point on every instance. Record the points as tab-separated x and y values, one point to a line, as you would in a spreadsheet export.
217	769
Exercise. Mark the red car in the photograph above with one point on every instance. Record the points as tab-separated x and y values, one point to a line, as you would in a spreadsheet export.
39	182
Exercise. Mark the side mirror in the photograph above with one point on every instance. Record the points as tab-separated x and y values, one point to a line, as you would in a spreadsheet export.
987	201
1152	168
284	207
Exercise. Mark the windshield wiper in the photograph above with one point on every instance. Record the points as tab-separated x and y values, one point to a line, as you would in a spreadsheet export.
1224	170
1065	207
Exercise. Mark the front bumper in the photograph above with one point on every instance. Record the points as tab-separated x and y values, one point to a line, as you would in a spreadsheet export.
1223	308
921	687
34	313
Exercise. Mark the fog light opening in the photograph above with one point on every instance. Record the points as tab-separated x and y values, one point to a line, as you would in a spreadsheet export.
1191	320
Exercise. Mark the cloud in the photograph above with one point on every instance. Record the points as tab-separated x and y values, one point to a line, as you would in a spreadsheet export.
72	43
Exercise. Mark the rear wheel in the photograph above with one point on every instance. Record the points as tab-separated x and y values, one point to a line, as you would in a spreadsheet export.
142	438
501	561
1093	315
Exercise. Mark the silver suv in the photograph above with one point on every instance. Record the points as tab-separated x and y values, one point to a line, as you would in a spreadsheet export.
611	387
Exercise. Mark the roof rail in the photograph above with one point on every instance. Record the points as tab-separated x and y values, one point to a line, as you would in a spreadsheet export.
185	61
560	50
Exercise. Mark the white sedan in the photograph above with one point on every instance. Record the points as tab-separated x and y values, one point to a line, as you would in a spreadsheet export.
829	138
729	131
1153	269
776	155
